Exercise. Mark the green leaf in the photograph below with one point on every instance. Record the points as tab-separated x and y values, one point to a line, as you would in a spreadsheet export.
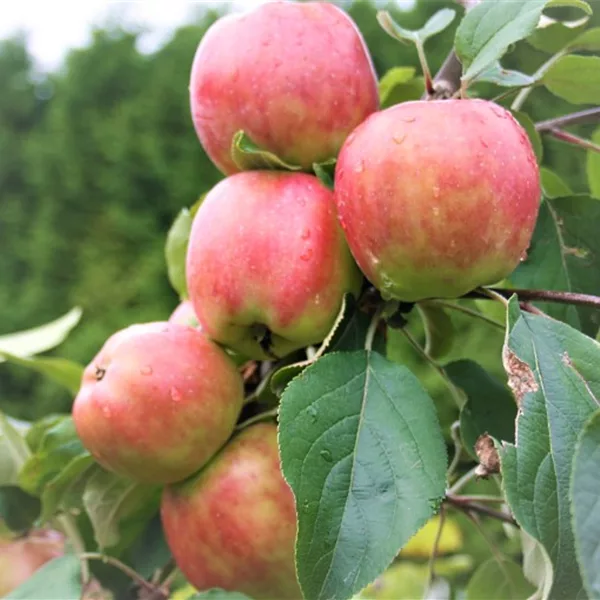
490	408
576	79
593	167
552	185
393	77
537	566
589	41
18	509
63	492
37	340
248	156
534	137
325	171
496	74
489	28
497	580
110	501
553	36
565	255
59	579
58	447
552	370
14	452
585	491
439	330
36	432
176	247
65	372
362	450
436	24
584	6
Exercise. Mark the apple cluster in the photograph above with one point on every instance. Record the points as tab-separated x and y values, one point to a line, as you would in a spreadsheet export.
431	199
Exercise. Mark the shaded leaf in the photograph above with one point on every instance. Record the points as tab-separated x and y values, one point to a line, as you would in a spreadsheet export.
576	79
585	491
580	4
325	171
552	185
555	36
356	432
498	580
588	40
565	255
537	566
18	509
593	167
59	445
248	156
59	579
392	78
111	501
490	408
14	452
552	370
489	28
439	330
39	339
534	137
64	372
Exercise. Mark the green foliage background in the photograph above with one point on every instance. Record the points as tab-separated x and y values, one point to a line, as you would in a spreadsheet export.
96	160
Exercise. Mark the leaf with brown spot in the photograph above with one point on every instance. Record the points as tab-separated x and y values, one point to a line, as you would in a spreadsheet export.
555	370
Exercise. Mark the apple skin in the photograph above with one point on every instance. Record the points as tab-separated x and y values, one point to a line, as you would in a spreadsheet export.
157	402
266	250
437	197
297	78
233	526
21	558
184	314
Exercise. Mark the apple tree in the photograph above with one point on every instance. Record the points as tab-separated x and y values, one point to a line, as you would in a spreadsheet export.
273	439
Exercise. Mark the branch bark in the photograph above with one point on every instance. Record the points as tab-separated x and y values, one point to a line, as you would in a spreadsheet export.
592	115
474	507
574	140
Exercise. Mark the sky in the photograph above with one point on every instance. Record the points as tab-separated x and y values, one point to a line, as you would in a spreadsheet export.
54	26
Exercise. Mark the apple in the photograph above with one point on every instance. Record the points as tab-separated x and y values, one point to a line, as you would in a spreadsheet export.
157	402
233	525
267	263
296	77
22	557
437	197
184	315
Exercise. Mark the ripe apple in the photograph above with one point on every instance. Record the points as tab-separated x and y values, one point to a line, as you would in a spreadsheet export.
267	263
437	197
184	315
297	78
233	526
22	557
157	402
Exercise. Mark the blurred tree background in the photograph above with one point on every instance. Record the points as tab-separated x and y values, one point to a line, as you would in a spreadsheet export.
97	159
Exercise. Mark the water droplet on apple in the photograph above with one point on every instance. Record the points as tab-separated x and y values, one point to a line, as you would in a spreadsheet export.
147	370
106	412
409	119
305	234
360	167
398	139
175	394
523	257
326	456
436	194
484	143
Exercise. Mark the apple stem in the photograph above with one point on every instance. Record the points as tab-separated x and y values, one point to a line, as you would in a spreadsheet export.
455	434
539	295
591	115
435	549
429	87
575	140
370	337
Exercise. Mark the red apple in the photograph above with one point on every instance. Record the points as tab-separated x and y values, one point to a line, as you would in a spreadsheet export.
21	558
157	402
233	526
267	264
297	78
437	198
184	314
